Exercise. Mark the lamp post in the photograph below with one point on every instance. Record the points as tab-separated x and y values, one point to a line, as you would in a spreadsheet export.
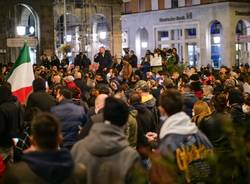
65	20
238	44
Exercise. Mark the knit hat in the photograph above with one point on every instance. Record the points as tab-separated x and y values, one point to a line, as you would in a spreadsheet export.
142	85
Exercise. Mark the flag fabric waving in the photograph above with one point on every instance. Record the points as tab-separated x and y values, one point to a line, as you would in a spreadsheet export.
21	75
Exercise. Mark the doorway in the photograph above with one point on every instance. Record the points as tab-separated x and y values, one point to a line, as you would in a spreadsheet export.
192	54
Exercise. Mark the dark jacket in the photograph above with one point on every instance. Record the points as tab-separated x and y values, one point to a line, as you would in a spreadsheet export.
214	127
11	121
106	154
55	167
104	61
133	61
72	117
145	122
237	114
92	118
189	101
150	103
41	100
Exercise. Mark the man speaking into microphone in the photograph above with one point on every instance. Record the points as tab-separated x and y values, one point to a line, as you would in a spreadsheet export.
104	59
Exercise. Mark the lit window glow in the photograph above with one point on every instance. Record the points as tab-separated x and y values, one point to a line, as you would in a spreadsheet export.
144	45
216	39
103	35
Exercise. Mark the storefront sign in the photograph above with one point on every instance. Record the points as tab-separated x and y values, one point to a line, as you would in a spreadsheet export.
18	42
242	13
184	17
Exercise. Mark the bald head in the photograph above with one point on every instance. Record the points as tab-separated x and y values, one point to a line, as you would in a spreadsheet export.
100	102
78	75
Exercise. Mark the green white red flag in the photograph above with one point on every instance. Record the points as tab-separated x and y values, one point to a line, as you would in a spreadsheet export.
21	75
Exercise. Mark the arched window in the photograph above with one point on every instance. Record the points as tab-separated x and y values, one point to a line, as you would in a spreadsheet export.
242	45
141	42
216	35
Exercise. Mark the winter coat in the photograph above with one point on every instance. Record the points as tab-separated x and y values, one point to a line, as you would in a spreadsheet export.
11	121
181	139
104	61
52	167
72	116
106	154
237	114
133	61
93	118
214	127
41	100
145	122
149	102
189	101
126	71
131	129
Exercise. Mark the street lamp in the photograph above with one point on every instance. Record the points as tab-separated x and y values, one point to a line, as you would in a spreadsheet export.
238	44
21	30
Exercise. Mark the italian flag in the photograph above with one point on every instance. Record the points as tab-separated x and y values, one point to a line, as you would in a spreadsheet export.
21	75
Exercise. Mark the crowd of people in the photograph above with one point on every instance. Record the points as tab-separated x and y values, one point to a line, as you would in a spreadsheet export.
127	123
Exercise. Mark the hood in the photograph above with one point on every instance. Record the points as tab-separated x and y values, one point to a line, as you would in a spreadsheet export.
139	107
179	123
105	139
148	101
53	166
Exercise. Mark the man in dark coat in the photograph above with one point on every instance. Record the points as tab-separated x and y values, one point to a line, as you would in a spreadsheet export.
83	61
39	97
11	120
44	163
104	59
133	60
72	116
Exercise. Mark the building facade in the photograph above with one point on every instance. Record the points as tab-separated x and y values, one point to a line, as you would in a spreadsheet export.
204	32
89	25
25	20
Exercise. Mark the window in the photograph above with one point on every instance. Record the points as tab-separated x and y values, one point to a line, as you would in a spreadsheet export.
174	3
188	3
78	3
215	28
142	5
126	7
216	31
154	4
176	34
161	4
190	33
241	28
163	35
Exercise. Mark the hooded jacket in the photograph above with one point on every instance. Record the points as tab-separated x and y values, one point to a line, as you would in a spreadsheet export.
50	167
179	137
150	103
106	154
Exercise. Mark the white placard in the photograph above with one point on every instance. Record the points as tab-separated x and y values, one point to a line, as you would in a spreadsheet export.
155	61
